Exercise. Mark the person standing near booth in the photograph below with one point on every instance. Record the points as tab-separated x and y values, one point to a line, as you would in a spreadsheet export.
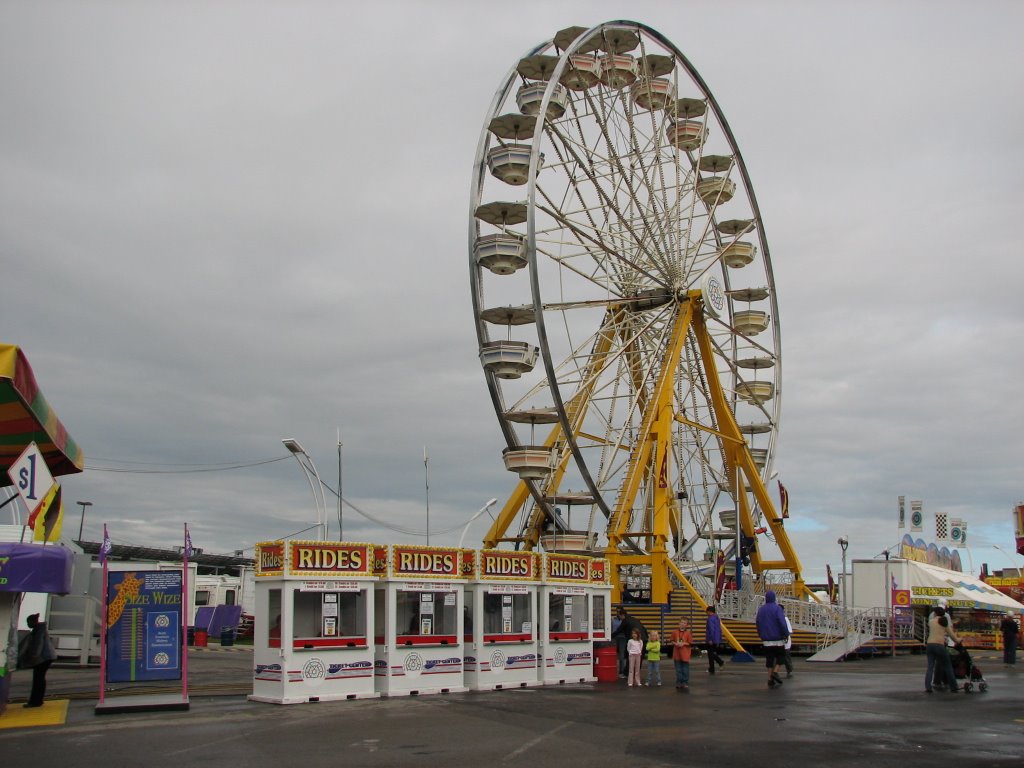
36	652
1010	630
713	639
635	649
653	659
629	625
620	638
682	649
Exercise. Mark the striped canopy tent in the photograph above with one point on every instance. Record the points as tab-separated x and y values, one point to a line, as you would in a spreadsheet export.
25	416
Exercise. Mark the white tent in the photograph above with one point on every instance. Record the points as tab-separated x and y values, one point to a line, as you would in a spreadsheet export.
968	592
928	585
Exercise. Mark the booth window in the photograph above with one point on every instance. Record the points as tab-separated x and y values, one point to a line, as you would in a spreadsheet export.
380	615
425	617
274	616
467	616
202	597
568	617
505	616
600	622
329	619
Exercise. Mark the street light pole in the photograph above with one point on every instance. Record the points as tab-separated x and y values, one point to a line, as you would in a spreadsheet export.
843	543
309	470
1007	554
81	524
483	509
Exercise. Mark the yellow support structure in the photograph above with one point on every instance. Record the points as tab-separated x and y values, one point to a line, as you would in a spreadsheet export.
650	465
740	465
651	456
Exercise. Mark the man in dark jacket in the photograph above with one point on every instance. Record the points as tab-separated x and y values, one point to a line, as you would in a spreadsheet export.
36	653
773	631
1009	629
625	631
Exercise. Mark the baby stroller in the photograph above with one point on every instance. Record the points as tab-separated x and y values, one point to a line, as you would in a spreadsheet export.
967	670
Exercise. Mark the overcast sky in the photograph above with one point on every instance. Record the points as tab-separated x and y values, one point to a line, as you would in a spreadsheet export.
224	224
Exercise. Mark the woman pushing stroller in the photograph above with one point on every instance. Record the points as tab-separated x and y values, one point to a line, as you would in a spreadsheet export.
940	628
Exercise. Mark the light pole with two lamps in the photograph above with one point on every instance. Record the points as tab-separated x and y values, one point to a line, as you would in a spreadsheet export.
315	485
483	509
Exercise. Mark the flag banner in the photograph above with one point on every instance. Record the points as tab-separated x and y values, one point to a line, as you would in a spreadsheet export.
1018	522
956	531
784	500
941	526
48	518
903	512
963	534
188	543
832	591
719	575
916	516
106	546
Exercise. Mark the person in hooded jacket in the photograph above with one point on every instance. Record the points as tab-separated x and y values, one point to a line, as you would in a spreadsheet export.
713	638
773	631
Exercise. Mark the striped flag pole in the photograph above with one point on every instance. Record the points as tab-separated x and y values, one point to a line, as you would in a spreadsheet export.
186	553
105	548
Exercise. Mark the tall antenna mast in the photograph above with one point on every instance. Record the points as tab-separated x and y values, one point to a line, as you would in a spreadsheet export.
426	485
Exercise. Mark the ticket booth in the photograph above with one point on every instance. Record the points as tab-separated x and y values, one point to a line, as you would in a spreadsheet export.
419	605
501	635
314	615
567	616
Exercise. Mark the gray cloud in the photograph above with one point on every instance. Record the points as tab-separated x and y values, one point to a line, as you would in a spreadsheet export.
225	224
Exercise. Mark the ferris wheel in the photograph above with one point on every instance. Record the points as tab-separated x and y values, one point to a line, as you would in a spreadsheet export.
625	307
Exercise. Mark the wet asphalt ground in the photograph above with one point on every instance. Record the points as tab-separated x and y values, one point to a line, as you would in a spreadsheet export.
856	713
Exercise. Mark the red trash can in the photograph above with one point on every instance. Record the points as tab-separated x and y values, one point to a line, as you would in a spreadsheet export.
200	636
606	664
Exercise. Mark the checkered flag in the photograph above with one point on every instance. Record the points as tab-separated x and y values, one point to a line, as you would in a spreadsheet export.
941	526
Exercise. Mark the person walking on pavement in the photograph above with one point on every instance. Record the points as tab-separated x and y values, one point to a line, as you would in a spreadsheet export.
787	656
682	648
940	666
773	631
1010	630
36	652
713	639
